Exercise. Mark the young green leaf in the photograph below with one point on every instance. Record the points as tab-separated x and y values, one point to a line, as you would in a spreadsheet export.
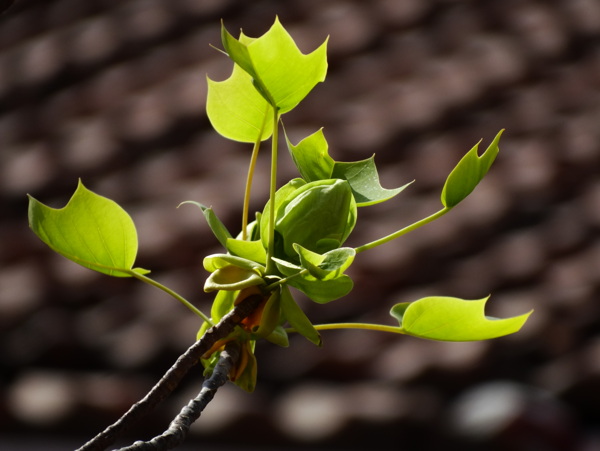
270	317
237	110
296	317
217	261
247	379
287	268
364	181
215	224
311	157
90	230
280	72
453	319
469	171
281	196
250	250
326	266
319	216
221	305
232	278
323	291
279	337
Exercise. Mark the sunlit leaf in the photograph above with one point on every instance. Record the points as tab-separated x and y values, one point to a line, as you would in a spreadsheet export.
311	157
252	229
281	196
90	230
323	291
286	268
232	278
319	216
215	224
280	71
469	171
250	250
326	266
453	319
237	110
296	317
364	181
216	261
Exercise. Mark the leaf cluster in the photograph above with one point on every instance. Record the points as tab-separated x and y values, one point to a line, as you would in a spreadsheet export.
296	243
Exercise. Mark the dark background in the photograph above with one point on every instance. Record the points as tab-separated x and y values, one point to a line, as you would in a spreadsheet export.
114	92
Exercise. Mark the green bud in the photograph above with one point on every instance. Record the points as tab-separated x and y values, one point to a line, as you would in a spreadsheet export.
318	216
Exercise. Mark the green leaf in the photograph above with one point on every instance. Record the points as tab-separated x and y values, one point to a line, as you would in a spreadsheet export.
311	157
250	250
215	224
252	229
221	305
281	73
90	230
286	268
296	317
364	181
279	337
453	319
216	261
247	380
270	316
237	50
326	266
467	174
319	216
323	291
232	278
237	110
281	196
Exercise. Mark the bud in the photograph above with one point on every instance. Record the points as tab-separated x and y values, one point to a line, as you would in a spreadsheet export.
318	216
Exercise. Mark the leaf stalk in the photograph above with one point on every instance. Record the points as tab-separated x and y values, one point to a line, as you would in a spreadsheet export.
404	231
270	269
172	293
364	326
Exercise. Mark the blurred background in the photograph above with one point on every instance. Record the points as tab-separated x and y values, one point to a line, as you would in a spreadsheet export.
113	92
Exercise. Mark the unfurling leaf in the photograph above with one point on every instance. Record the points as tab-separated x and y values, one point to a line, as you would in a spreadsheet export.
281	196
221	305
453	319
326	266
364	181
231	273
215	224
215	261
269	316
296	317
468	173
232	278
319	216
311	157
90	230
250	250
323	291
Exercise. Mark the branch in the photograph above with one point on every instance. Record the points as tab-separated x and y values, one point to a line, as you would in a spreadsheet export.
177	431
175	374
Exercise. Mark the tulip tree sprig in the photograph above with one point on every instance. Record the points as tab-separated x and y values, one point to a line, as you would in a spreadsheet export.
296	242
